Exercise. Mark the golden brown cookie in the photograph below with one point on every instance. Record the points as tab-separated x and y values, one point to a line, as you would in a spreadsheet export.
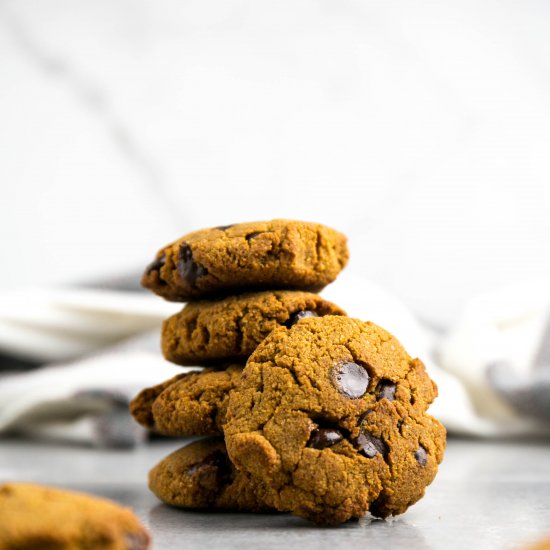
189	404
210	331
331	415
142	404
201	475
274	254
36	517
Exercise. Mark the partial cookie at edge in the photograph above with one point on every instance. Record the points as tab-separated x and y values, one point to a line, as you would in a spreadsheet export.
36	516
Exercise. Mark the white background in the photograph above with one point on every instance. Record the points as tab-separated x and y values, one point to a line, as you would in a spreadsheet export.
420	129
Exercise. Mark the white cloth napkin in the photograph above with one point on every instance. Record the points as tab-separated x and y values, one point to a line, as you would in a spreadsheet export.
492	368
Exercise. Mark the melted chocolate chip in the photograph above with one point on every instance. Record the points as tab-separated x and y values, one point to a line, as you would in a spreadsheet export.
253	235
370	446
156	264
377	508
351	379
298	316
189	270
324	437
216	461
386	390
421	456
224	227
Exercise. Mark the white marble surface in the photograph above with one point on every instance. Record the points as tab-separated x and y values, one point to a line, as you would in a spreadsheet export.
420	129
487	496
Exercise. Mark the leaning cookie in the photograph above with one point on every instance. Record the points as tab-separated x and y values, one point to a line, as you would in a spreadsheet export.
34	516
200	475
274	254
331	416
210	331
190	404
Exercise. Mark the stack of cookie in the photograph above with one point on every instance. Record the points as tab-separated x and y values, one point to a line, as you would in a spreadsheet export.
310	411
240	282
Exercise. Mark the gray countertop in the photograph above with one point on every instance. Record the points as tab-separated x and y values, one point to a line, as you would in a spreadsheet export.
488	495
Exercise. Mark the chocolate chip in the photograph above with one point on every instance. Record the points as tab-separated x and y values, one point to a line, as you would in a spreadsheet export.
378	507
253	235
421	456
324	437
189	270
156	264
370	446
351	379
224	227
217	462
298	316
386	390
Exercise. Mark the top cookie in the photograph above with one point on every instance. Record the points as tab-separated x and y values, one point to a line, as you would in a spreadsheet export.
276	254
331	415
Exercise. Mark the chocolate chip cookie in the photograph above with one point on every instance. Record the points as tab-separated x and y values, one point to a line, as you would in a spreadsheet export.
33	516
201	475
331	415
276	254
189	404
141	407
210	331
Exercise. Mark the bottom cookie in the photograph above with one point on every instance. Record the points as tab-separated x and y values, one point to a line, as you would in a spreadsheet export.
200	475
34	516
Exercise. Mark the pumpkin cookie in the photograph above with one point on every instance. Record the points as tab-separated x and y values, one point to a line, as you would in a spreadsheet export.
331	416
276	254
34	516
201	475
210	331
141	407
189	404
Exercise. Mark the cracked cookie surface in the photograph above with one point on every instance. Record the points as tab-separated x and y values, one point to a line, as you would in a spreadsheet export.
331	415
36	516
277	254
193	403
210	331
200	475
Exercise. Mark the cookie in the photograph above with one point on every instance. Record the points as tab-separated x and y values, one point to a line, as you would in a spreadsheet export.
189	404
210	331
331	415
276	254
201	475
141	407
34	516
